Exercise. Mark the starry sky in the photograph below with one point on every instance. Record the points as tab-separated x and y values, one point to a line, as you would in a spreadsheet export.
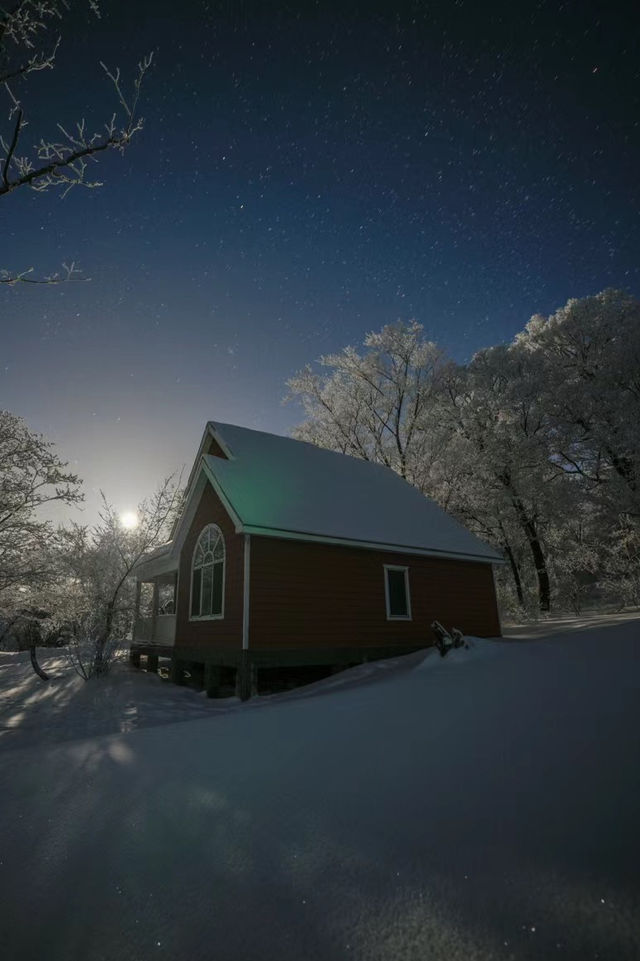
308	172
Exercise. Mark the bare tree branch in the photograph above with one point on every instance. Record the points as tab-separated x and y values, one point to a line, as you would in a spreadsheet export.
11	150
71	274
60	162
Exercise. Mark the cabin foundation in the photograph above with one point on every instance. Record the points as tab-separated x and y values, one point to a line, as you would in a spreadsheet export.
247	673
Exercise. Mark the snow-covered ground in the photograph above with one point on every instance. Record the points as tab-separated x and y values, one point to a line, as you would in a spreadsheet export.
484	806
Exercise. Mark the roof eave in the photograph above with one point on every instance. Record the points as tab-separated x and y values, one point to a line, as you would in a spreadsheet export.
150	567
370	545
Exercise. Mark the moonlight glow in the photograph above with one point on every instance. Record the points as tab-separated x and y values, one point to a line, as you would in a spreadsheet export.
129	520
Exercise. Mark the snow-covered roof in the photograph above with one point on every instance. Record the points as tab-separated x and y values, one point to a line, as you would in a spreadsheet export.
278	486
156	562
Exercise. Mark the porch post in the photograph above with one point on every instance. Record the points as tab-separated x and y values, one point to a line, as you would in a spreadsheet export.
495	599
246	592
136	610
245	677
154	608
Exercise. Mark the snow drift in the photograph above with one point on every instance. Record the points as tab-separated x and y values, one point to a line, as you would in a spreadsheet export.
483	806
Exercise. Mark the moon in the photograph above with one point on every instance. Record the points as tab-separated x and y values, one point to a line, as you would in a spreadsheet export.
129	520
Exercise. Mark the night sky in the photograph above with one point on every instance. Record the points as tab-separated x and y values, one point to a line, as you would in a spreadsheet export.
307	173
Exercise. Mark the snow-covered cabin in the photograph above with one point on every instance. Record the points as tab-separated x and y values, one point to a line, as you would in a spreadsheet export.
289	555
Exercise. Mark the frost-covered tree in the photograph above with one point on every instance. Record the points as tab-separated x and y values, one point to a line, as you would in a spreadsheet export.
32	475
620	564
590	353
458	433
534	445
466	481
576	542
375	404
93	599
494	406
60	157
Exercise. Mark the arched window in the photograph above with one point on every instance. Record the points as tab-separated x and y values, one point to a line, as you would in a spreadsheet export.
207	574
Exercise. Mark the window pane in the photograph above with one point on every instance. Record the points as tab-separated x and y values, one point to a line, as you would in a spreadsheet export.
397	594
218	552
217	589
208	573
207	583
195	593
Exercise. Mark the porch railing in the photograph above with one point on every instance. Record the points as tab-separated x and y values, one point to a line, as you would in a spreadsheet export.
164	632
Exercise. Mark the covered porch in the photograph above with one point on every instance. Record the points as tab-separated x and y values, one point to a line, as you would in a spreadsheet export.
156	599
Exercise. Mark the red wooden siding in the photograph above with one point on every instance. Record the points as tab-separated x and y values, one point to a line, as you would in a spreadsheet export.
319	595
226	632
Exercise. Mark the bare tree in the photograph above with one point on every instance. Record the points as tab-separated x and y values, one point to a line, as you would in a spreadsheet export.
94	595
29	42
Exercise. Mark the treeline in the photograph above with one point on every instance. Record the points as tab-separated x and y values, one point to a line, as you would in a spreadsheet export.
533	445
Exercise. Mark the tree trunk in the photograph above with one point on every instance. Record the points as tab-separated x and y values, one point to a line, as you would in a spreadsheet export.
515	571
539	560
100	665
533	540
34	664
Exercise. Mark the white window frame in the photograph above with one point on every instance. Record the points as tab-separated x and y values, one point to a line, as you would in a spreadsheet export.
207	617
397	567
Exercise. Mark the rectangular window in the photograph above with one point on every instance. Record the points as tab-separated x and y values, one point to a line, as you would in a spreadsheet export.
396	589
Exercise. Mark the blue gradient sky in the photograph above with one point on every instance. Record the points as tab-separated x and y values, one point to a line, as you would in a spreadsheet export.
309	172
